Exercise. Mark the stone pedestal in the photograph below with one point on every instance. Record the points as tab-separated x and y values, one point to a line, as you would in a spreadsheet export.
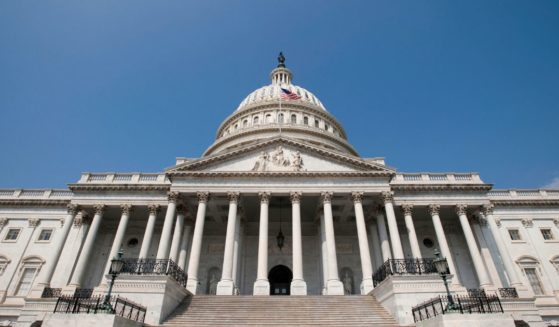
399	294
470	320
225	287
87	320
261	287
366	286
192	285
298	287
334	287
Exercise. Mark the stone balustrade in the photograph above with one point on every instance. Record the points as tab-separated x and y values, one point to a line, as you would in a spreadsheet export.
58	194
437	178
523	194
122	178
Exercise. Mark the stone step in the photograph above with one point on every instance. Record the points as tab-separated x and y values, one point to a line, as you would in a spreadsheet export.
245	310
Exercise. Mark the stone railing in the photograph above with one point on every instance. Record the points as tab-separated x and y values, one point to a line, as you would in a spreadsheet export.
122	178
404	267
437	178
523	194
35	194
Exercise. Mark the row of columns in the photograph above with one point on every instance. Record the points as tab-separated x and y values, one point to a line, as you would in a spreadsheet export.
175	248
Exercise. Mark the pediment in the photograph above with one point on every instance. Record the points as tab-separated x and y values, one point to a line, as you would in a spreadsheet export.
280	156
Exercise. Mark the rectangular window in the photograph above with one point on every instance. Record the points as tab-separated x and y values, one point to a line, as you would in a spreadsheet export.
547	234
45	235
12	234
25	281
534	280
514	234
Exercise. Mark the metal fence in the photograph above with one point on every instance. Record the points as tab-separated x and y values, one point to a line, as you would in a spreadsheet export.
155	267
95	304
404	267
462	304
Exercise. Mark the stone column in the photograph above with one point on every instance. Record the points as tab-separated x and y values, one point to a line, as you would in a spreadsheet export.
334	285
366	266
83	259
262	285
479	266
50	266
324	255
375	244
226	286
164	245
192	283
236	250
119	236
414	244
392	226
434	210
177	234
383	236
148	234
183	251
298	284
503	251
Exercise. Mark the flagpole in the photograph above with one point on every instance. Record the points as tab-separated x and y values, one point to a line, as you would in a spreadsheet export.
280	113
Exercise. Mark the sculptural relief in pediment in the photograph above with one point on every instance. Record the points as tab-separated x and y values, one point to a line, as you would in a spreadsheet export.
279	160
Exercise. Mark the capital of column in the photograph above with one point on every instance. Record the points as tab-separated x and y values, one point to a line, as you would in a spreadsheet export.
181	210
173	196
407	209
264	197
387	196
488	209
72	209
357	197
126	209
295	197
434	209
154	209
203	197
461	209
82	217
326	197
99	209
33	222
233	196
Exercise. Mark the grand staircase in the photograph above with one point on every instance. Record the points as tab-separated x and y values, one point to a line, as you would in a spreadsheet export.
356	310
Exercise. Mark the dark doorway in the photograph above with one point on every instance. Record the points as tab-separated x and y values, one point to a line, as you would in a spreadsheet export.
280	279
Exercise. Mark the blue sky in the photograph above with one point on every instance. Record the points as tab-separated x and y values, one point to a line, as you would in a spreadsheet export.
130	85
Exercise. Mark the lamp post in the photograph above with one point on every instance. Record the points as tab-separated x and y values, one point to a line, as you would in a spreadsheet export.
116	267
442	268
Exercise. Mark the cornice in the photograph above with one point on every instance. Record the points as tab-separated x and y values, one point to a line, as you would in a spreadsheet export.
441	187
287	127
525	203
35	202
280	174
119	187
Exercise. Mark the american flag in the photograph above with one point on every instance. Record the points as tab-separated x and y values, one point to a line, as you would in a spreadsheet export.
286	94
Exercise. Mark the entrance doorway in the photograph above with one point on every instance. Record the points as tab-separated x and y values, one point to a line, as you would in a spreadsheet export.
280	279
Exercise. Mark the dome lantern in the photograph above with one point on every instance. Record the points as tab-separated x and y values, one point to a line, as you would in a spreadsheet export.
281	75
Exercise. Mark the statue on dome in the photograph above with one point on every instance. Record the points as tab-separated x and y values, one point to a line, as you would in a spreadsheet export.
281	60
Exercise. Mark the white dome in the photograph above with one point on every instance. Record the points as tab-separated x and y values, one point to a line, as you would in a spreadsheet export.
272	92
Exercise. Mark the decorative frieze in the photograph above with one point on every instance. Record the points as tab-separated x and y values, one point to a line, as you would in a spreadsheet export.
434	209
279	160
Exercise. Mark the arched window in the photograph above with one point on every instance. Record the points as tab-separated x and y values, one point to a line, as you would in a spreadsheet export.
268	118
4	262
316	123
27	272
255	120
327	127
293	119
236	126
306	120
245	123
280	118
531	268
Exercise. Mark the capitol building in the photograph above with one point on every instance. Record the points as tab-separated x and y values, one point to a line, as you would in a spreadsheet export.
280	211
